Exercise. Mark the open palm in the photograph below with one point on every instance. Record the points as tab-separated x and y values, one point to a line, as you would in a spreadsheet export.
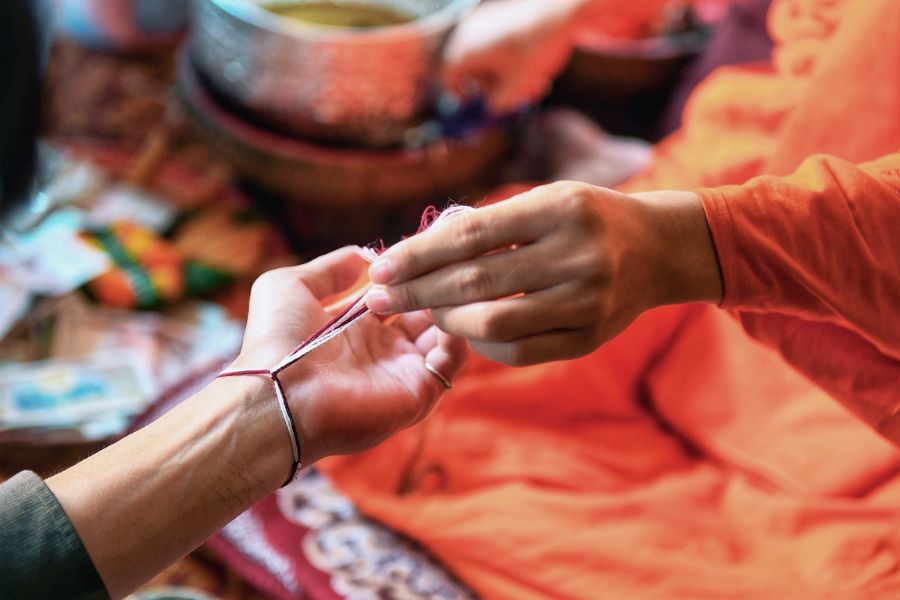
361	387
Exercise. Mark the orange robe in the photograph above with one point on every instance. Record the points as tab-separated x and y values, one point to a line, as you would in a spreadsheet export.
686	458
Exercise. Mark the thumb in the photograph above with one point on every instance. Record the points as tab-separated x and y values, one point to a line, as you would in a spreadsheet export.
332	273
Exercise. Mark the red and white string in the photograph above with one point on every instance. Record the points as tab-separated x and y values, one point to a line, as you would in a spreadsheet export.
355	311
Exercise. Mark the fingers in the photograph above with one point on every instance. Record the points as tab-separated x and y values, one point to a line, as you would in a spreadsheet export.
531	79
515	318
521	86
490	277
516	221
332	273
444	352
477	51
513	64
447	356
559	345
470	77
414	324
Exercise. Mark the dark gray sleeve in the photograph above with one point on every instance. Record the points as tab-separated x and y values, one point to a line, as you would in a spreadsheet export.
41	555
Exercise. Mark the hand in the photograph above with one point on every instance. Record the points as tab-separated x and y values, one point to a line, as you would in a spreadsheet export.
553	273
361	387
510	51
201	464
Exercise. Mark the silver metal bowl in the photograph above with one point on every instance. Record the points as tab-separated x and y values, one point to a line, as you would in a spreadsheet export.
357	86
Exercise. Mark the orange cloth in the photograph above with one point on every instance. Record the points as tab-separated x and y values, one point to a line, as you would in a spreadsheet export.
818	269
685	459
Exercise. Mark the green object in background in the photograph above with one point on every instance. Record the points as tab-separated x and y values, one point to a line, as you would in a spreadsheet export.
202	279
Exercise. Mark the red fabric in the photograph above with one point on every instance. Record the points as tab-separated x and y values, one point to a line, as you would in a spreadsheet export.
280	542
686	459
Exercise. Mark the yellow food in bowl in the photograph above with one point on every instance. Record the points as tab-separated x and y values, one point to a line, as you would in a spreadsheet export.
352	15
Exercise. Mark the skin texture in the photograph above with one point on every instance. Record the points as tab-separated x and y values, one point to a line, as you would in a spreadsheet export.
512	65
553	273
151	498
376	371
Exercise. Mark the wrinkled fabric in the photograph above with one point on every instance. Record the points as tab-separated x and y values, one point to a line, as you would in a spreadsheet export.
706	453
816	274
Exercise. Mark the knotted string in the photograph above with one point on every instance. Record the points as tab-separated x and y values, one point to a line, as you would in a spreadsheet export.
355	311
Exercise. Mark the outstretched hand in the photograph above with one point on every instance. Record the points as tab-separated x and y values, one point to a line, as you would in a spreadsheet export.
553	273
143	502
360	388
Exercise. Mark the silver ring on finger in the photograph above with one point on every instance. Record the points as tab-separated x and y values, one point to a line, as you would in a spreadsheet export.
440	376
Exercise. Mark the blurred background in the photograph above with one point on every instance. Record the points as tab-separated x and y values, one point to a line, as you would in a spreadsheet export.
187	147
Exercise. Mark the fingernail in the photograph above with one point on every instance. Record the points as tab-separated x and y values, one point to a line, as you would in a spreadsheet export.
382	271
378	302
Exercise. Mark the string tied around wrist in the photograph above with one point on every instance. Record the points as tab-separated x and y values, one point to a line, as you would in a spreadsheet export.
355	311
285	414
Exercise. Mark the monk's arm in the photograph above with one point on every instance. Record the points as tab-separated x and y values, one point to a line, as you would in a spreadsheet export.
822	245
554	272
811	267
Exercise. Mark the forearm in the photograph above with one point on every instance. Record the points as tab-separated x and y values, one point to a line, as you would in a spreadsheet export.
151	498
156	495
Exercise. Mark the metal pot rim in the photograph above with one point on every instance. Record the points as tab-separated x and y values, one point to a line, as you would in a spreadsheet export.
254	14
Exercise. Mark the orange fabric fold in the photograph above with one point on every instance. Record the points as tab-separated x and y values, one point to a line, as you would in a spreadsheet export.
699	455
822	245
810	263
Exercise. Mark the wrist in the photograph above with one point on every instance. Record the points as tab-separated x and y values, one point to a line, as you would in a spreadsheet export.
256	441
679	249
300	387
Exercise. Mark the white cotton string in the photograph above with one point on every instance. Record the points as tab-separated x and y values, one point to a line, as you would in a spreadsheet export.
356	310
